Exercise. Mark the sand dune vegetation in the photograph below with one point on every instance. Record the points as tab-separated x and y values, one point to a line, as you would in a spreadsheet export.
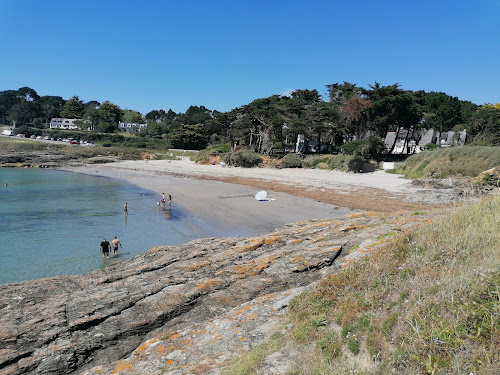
428	303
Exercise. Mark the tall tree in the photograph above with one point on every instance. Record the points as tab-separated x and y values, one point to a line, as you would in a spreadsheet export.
189	137
109	116
354	115
27	94
484	126
340	93
195	115
24	112
73	108
393	109
322	118
8	99
132	116
91	113
51	106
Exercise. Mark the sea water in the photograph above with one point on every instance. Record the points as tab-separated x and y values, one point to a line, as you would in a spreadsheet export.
52	222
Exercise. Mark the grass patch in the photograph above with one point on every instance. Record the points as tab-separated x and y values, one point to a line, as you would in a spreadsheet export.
463	161
248	363
426	303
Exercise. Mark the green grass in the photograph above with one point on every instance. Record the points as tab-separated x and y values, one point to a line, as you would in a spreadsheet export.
464	161
246	364
428	303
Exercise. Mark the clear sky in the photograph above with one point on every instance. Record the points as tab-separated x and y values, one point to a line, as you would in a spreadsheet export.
154	54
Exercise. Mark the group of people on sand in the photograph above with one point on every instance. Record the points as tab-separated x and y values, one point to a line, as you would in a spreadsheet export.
105	246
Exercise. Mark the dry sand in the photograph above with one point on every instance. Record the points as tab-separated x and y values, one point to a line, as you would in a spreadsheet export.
224	196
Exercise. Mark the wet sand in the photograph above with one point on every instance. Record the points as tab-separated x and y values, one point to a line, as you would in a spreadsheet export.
226	209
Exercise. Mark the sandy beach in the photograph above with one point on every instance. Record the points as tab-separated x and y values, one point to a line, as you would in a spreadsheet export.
224	197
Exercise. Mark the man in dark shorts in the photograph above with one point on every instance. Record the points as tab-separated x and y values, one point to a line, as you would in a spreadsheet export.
105	248
114	244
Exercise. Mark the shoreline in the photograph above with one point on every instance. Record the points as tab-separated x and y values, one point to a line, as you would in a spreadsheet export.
224	197
224	209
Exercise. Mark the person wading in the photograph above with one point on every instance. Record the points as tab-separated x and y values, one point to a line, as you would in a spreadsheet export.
104	248
114	244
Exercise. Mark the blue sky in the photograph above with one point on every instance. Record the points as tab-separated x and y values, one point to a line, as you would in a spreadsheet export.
146	55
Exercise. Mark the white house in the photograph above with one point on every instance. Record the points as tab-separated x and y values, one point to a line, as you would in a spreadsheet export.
409	142
131	127
64	123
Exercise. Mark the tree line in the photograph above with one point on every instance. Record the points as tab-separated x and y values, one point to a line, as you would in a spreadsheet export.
348	115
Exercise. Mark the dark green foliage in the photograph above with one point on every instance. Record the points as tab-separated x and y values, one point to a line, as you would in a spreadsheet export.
356	164
189	137
485	125
271	125
243	158
73	108
353	147
430	146
291	161
373	146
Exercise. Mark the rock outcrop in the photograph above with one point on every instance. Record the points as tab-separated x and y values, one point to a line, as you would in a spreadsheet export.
38	158
69	324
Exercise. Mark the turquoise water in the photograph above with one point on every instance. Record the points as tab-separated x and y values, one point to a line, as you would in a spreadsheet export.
52	222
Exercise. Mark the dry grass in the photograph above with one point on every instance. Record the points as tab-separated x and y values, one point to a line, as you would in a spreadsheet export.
465	161
426	304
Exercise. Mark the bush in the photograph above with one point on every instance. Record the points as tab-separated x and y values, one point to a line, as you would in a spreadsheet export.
340	162
356	164
430	146
242	158
291	161
204	156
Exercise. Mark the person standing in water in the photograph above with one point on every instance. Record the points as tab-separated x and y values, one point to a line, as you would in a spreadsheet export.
170	200
125	208
114	244
104	248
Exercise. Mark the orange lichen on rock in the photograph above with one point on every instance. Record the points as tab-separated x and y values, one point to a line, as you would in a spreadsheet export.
243	309
207	285
255	267
271	239
122	366
216	338
174	336
195	266
351	227
145	345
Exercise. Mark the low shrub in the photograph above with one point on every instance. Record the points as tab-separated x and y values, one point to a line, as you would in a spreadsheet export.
356	164
291	161
204	156
242	158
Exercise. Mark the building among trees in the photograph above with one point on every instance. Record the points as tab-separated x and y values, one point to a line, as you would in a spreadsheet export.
131	127
64	123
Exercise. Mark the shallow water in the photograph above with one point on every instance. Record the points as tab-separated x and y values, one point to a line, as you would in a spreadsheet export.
52	222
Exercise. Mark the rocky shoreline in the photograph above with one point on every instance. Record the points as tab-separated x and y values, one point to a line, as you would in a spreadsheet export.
65	325
47	159
189	309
